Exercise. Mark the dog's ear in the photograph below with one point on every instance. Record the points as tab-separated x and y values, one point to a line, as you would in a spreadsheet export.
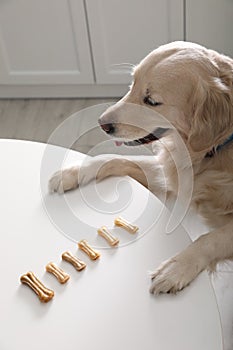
212	115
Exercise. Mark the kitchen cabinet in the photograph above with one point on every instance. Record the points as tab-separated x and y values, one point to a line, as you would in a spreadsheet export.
44	42
75	48
125	31
86	48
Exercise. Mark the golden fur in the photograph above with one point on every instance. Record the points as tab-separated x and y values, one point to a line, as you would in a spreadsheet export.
194	88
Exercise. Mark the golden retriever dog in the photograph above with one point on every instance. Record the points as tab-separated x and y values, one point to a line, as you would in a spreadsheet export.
191	88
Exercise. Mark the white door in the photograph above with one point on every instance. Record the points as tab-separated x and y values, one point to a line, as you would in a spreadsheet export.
124	31
210	23
44	42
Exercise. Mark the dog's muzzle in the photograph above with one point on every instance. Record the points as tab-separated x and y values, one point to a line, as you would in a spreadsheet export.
109	128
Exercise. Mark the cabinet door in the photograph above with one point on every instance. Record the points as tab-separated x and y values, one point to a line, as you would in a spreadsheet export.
44	42
125	31
210	23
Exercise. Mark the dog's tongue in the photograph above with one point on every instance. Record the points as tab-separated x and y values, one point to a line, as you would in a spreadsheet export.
118	143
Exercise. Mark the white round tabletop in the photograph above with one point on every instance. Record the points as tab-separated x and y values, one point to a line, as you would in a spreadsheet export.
107	305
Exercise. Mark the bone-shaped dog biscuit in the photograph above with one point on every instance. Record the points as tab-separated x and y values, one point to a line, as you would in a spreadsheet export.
61	275
126	225
77	263
43	293
104	232
84	246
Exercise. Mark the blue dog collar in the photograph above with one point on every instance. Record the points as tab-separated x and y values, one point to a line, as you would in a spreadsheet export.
219	147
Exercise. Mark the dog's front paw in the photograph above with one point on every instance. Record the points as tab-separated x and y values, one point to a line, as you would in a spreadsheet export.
64	180
173	275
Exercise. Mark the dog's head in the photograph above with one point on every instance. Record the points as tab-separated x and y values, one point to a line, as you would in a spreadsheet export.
180	86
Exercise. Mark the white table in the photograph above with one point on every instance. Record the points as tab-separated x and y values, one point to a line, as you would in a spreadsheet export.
106	306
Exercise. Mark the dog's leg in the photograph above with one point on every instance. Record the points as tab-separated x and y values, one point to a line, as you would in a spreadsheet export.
145	170
177	272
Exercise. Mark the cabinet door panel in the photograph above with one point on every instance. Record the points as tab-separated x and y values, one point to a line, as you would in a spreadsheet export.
124	31
210	23
44	42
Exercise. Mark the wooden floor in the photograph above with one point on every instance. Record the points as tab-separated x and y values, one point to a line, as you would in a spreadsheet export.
36	119
71	123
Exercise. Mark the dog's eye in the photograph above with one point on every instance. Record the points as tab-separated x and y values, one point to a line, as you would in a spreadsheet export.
149	101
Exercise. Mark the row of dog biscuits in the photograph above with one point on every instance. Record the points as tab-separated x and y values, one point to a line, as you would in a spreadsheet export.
45	294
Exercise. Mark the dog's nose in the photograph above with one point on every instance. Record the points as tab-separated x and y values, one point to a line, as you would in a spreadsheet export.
108	128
